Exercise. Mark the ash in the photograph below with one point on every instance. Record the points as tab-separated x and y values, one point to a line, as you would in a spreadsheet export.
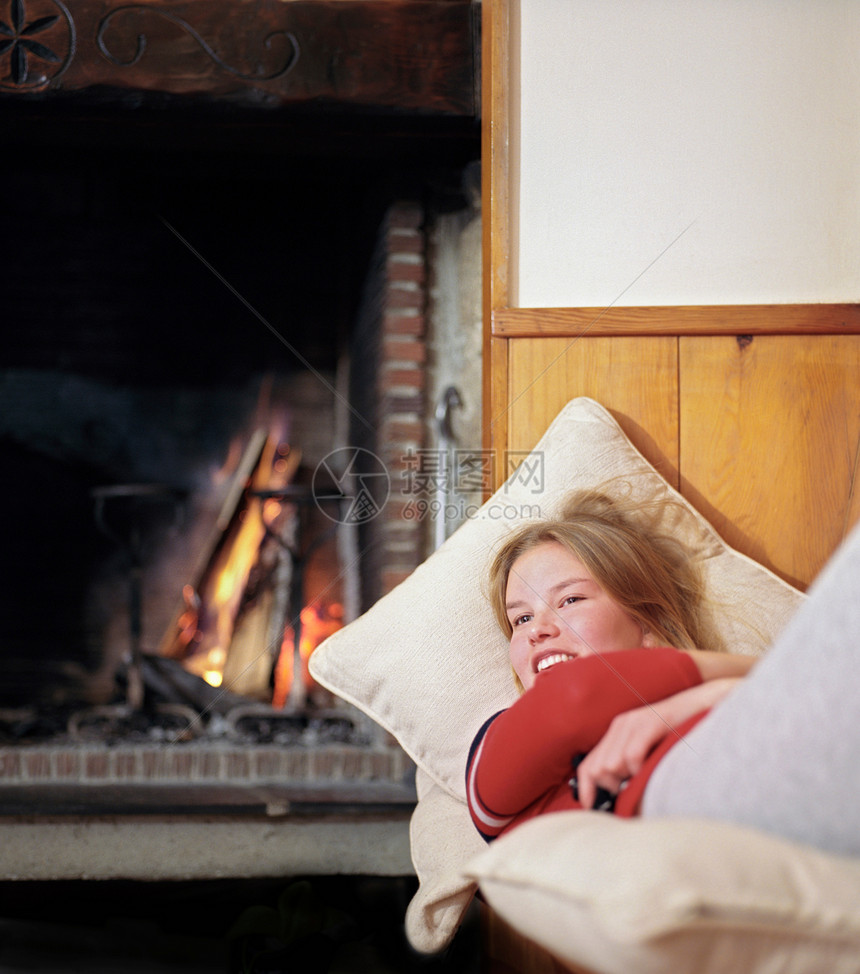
179	707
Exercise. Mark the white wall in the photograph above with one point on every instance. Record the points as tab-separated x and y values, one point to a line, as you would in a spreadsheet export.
727	131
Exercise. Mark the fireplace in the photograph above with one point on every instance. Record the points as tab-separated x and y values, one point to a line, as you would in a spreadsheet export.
217	311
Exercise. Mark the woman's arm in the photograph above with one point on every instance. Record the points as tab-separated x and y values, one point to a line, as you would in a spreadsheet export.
631	736
529	747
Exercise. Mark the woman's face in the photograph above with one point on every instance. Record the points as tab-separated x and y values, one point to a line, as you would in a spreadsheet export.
558	612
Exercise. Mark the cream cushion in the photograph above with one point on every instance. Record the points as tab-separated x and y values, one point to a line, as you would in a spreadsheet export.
685	896
442	839
428	663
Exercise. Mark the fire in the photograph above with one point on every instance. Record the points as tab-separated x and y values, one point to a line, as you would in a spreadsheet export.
219	602
317	623
226	589
215	660
230	629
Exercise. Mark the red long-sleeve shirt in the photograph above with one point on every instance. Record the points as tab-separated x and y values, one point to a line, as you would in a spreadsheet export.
520	762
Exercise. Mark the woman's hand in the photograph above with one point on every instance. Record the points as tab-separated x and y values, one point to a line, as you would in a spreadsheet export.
632	736
620	752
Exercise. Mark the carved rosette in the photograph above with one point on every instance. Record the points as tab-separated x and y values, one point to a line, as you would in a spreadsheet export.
37	44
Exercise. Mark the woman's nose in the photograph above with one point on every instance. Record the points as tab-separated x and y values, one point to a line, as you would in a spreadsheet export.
543	624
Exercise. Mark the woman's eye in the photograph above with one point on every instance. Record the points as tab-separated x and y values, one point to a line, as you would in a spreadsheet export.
520	620
570	599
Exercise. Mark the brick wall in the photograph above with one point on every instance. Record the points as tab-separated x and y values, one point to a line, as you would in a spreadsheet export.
402	382
390	345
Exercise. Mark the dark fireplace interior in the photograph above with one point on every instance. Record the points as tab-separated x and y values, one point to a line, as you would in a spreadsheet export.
173	281
165	289
129	361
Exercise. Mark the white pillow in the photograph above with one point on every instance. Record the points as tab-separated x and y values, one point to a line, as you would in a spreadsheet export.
688	896
443	839
428	661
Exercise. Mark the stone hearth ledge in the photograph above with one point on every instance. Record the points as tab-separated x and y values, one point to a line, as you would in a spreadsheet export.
149	849
176	814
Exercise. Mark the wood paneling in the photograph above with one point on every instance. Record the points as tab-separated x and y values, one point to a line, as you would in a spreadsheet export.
770	429
635	378
730	319
761	434
495	205
496	190
496	413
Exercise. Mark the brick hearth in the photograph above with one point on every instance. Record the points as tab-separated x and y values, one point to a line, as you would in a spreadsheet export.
194	764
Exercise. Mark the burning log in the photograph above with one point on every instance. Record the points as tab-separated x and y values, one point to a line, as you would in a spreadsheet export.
167	681
250	659
183	628
247	600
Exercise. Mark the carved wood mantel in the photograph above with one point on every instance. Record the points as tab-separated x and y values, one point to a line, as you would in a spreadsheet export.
405	56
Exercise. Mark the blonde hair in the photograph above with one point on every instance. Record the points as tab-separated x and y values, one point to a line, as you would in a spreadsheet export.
649	574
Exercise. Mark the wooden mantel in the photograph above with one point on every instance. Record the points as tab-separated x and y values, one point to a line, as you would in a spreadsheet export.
402	56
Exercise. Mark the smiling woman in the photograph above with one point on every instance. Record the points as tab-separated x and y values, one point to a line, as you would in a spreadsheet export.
557	612
604	617
646	572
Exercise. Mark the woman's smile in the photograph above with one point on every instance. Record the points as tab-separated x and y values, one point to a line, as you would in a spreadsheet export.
545	662
558	612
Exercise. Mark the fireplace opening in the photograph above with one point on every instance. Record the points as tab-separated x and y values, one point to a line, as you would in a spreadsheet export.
213	283
184	327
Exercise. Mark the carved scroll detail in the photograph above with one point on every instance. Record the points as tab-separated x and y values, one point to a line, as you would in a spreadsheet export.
259	74
38	48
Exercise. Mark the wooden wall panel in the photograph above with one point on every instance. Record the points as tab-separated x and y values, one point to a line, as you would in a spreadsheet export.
770	428
714	319
495	429
635	378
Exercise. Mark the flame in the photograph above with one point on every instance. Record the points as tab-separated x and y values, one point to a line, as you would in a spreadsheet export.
222	594
318	623
230	608
212	669
226	592
188	623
